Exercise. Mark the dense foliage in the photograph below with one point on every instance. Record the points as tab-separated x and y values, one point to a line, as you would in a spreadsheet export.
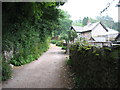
6	71
27	28
82	23
109	22
65	38
94	67
63	34
64	24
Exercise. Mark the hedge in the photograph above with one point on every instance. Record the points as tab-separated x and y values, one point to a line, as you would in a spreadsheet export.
95	67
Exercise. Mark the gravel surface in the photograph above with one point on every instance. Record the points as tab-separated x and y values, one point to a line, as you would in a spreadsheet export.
49	71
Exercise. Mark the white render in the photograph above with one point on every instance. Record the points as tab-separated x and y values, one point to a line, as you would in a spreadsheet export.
100	39
98	31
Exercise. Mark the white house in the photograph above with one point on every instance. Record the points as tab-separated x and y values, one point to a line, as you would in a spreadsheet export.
97	31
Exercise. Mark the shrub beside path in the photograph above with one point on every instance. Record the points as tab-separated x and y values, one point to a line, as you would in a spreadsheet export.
49	71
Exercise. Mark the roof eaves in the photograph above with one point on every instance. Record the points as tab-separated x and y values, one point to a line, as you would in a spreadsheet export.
104	27
85	31
117	36
73	28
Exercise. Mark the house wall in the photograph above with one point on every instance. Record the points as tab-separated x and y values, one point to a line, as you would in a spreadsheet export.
86	35
99	30
112	37
100	39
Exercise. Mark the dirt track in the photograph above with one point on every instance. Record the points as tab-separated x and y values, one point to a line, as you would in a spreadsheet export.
49	71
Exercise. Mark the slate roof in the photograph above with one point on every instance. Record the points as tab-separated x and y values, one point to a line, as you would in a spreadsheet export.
88	27
111	31
77	28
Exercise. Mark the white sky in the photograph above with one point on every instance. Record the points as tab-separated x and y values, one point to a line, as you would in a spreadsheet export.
91	8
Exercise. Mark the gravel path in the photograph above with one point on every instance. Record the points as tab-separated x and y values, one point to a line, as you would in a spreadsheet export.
49	71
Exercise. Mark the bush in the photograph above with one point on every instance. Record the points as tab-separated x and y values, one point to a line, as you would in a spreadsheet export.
95	67
69	62
6	71
64	47
59	43
53	41
26	55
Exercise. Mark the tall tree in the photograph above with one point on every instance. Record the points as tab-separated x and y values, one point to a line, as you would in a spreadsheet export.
64	23
70	35
107	20
77	22
116	26
85	21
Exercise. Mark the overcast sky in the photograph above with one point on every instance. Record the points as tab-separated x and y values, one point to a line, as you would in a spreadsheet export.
91	8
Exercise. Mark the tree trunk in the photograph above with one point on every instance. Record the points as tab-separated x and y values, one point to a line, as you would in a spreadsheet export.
68	46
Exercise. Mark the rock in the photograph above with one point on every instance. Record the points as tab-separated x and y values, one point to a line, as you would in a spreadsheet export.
11	65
